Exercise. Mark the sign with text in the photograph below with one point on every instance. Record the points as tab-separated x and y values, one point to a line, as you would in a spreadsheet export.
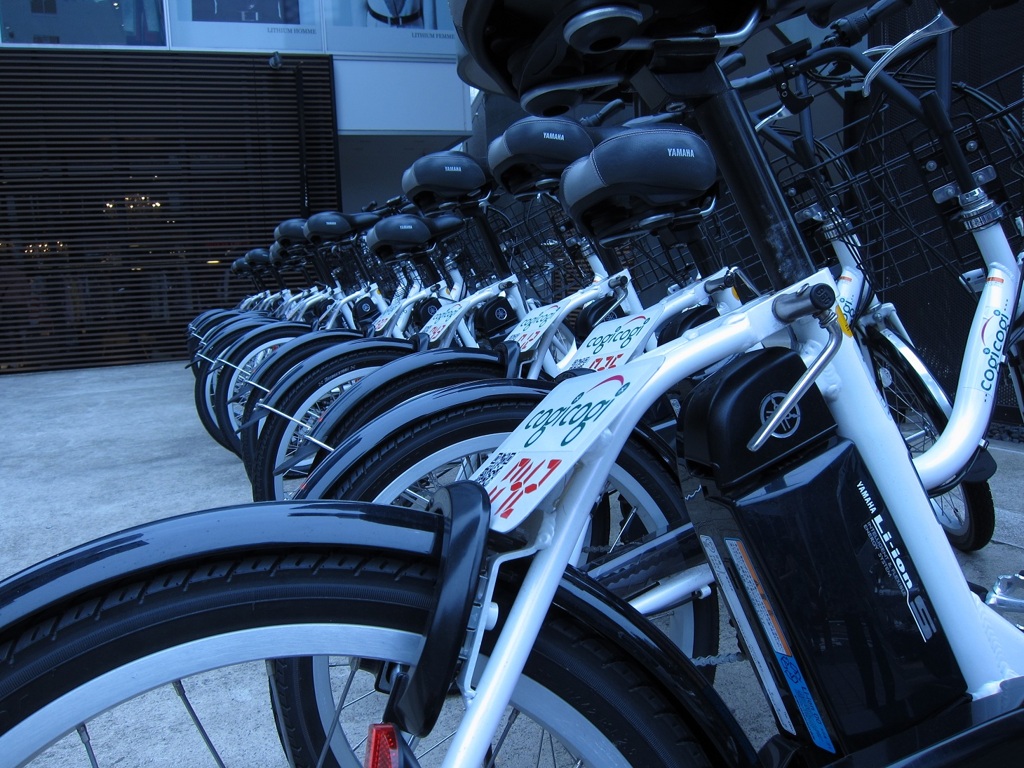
546	445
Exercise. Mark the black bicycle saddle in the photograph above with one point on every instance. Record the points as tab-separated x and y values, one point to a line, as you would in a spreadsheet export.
290	232
327	227
639	180
406	233
445	179
531	154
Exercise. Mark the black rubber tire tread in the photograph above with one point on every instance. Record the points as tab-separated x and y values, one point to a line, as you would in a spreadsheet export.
381	399
979	507
265	459
75	643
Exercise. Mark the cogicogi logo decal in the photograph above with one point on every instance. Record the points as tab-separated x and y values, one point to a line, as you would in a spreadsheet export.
581	411
993	337
621	336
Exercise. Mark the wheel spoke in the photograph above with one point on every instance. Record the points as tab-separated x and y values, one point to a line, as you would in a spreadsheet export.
83	734
512	717
180	690
336	720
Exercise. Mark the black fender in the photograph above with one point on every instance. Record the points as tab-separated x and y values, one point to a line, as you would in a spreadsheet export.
424	406
226	333
179	542
286	356
122	557
410	365
210	317
295	351
427	406
285	328
330	354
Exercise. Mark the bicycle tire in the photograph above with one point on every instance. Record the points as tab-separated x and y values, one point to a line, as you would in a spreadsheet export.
244	358
203	323
270	371
967	511
305	400
647	489
207	373
203	393
372	401
76	661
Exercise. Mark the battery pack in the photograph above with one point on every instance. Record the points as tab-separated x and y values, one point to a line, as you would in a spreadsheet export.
827	602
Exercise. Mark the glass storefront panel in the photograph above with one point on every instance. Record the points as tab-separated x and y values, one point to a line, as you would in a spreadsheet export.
83	22
389	26
275	25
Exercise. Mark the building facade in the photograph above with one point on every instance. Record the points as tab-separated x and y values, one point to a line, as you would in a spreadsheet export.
147	143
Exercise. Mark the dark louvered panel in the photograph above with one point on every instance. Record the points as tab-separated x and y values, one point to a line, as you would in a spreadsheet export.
124	174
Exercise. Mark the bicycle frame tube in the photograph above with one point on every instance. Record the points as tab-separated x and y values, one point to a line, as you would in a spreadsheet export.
976	387
543	359
395	324
561	529
969	417
442	327
987	648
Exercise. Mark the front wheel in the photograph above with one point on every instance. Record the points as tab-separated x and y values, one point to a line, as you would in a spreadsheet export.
175	666
406	467
305	401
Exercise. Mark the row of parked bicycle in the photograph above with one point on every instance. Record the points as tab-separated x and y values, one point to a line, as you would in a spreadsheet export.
401	302
783	455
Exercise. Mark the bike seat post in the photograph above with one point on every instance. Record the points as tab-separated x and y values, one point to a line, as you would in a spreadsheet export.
726	126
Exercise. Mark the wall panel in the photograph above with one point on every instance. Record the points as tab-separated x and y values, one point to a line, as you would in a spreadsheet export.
130	180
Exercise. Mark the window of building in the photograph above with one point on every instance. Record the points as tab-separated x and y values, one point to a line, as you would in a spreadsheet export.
83	22
44	6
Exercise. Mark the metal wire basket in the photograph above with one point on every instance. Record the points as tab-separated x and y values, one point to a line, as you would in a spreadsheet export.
552	258
542	246
883	170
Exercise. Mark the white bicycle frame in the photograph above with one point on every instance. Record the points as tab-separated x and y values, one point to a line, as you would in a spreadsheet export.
557	501
998	305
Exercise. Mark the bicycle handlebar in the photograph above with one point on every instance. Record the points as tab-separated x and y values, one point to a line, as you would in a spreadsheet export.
928	109
788	307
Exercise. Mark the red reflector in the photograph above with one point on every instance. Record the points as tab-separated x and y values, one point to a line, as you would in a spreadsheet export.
382	751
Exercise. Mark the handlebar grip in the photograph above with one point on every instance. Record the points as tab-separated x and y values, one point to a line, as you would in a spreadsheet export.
852	28
808	300
618	281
